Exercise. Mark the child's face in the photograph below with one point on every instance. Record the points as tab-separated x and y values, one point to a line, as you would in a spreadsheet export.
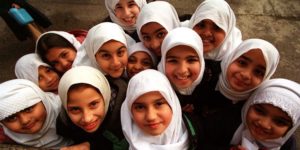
61	58
182	66
27	121
112	58
138	62
152	113
127	12
266	122
212	36
153	35
85	108
247	71
48	79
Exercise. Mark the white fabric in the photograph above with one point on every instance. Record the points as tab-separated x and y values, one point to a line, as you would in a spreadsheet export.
139	47
81	56
175	136
110	6
223	16
19	94
282	93
160	12
271	56
87	75
187	37
99	35
27	67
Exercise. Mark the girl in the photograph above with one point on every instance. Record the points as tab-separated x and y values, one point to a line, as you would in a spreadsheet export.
270	116
31	67
140	58
125	13
183	63
28	115
215	23
151	114
85	95
106	45
156	19
252	63
61	50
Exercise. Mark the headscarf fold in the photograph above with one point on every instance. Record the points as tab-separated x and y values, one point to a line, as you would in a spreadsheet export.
271	56
99	35
110	6
191	39
223	16
19	94
281	93
160	12
27	67
175	135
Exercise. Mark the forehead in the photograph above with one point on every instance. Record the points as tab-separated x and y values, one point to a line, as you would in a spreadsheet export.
182	51
111	46
151	27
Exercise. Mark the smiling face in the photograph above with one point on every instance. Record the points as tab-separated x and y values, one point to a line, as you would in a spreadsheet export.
85	108
112	58
153	35
61	58
48	79
212	36
127	12
152	113
27	121
247	71
138	62
182	66
266	122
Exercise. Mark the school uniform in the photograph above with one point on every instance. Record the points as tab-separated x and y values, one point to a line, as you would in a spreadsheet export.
220	103
160	12
106	134
19	94
27	67
175	136
173	39
281	93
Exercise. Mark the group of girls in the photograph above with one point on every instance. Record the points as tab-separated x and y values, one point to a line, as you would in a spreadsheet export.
148	80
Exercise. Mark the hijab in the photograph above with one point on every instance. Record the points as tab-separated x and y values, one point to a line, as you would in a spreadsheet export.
271	56
27	67
223	16
19	94
86	75
175	135
191	39
110	6
99	35
281	93
160	12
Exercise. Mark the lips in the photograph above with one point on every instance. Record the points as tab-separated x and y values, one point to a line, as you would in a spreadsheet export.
90	126
153	125
29	126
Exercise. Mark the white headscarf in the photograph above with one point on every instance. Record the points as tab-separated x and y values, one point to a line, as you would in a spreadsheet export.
160	12
27	67
87	75
271	57
191	39
110	6
175	136
139	47
81	57
99	35
223	16
19	94
281	93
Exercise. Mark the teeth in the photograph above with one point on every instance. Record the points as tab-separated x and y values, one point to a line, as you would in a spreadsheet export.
182	78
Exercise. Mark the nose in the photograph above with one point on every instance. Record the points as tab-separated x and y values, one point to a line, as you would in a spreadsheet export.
150	115
87	116
64	63
246	74
206	32
182	68
138	66
24	119
116	63
265	123
155	46
48	78
126	11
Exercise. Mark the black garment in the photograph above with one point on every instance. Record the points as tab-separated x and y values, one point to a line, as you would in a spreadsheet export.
194	128
21	32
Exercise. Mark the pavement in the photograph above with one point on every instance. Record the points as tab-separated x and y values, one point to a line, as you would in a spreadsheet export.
277	21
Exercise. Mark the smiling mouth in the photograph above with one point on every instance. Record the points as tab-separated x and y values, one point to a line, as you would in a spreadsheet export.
90	126
153	125
29	126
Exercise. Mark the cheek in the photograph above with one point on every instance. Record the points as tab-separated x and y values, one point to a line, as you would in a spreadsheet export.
219	36
256	81
169	70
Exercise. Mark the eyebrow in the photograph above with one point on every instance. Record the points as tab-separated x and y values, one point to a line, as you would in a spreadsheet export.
250	60
158	30
107	51
156	100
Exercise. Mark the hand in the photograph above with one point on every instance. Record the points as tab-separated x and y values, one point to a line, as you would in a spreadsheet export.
81	146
